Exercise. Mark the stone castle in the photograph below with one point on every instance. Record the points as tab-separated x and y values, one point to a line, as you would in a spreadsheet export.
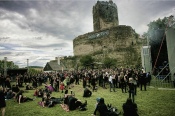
109	38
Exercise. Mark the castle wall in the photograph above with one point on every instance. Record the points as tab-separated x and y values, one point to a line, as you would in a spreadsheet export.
117	42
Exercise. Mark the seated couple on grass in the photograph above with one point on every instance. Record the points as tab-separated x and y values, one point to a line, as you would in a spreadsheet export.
48	101
104	110
72	103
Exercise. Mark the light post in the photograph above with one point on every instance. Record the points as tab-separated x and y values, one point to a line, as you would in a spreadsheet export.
5	67
27	66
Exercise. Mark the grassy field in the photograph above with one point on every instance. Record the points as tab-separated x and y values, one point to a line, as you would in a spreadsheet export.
152	102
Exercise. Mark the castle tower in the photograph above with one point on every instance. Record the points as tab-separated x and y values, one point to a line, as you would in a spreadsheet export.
105	15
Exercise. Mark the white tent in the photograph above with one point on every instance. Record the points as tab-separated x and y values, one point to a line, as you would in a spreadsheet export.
146	58
170	38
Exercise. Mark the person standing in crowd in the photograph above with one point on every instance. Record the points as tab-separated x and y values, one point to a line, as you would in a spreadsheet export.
84	82
130	108
111	82
93	82
131	89
34	81
17	80
77	77
174	79
104	80
148	78
61	87
2	101
7	82
135	84
116	79
123	82
142	80
100	79
56	84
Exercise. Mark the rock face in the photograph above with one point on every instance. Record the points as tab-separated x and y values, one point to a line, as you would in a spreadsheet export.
109	38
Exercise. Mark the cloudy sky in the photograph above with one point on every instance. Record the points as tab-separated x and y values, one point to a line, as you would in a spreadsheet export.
40	30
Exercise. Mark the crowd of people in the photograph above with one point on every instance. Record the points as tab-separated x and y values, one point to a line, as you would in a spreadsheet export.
125	78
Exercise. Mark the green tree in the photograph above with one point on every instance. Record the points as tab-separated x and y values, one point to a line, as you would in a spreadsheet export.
10	64
86	61
156	35
109	62
34	71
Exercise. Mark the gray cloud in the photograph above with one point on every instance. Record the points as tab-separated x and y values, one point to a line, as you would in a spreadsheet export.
54	45
5	53
46	28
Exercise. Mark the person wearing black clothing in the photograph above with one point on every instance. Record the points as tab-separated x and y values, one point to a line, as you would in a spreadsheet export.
100	80
15	88
34	81
174	79
101	108
84	82
123	84
2	81
131	89
72	103
7	82
56	84
143	81
76	76
93	82
116	80
130	108
87	93
148	78
2	101
20	98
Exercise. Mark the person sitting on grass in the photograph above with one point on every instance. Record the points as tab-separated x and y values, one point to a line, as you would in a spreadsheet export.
28	87
38	93
45	99
10	94
20	98
48	101
15	89
101	108
48	88
87	92
130	108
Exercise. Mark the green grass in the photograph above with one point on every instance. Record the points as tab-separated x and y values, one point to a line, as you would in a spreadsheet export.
152	102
